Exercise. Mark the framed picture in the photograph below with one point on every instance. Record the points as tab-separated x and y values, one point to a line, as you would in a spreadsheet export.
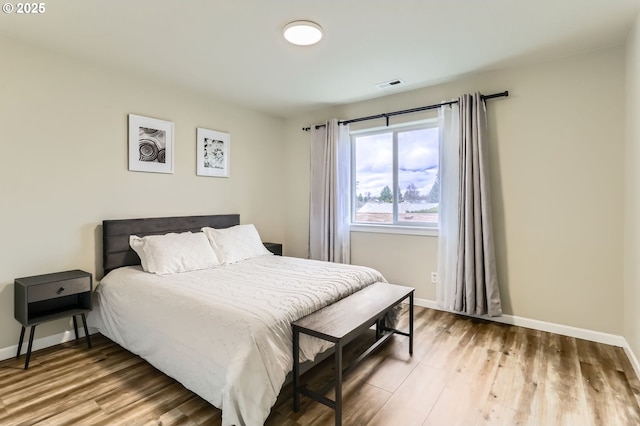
213	153
150	145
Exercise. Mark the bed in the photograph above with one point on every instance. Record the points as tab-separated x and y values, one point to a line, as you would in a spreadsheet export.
224	332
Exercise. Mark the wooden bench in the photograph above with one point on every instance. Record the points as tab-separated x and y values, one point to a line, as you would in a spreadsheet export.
340	323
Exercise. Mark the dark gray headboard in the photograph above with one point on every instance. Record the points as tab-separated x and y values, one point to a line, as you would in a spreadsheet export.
115	234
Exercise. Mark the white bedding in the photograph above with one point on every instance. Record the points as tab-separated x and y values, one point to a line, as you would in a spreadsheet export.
224	333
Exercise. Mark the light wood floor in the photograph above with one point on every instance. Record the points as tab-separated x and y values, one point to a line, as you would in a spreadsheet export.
463	372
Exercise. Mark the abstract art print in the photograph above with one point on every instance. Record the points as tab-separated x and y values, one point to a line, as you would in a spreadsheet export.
150	144
213	153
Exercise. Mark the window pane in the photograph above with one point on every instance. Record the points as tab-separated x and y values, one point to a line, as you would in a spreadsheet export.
419	190
374	178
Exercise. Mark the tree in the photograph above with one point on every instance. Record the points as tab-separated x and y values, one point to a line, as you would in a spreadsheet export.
412	193
360	198
386	196
400	197
434	194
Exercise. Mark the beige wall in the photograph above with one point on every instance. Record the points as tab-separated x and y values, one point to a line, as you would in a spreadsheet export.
557	173
632	194
63	165
402	259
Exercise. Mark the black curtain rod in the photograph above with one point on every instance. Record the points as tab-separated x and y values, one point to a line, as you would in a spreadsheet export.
408	111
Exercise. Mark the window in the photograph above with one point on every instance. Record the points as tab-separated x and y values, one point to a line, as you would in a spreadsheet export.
395	178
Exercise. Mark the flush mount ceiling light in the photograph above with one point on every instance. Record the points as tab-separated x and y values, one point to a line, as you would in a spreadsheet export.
302	33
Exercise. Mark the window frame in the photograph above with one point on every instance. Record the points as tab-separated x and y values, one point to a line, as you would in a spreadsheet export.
397	227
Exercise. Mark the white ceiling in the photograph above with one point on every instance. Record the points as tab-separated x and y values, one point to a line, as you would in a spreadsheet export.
233	49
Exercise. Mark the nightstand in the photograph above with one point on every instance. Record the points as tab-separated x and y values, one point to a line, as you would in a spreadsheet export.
48	297
275	248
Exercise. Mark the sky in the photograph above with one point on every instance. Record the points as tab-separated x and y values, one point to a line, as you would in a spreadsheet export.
417	161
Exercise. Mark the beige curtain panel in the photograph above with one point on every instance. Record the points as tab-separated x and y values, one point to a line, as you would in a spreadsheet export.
476	286
329	238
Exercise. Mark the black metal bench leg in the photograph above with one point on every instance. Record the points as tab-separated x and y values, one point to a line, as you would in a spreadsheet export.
411	324
379	327
20	342
86	330
338	400
26	362
296	371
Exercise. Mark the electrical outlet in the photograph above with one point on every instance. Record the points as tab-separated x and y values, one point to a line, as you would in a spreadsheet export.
434	278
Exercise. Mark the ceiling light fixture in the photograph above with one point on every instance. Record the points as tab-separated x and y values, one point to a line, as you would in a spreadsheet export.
302	33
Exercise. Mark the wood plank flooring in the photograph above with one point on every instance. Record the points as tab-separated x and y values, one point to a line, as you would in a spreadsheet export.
463	372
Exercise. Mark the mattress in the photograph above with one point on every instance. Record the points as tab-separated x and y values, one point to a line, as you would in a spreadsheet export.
224	333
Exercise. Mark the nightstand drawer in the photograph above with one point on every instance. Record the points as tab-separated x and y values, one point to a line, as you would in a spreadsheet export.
36	293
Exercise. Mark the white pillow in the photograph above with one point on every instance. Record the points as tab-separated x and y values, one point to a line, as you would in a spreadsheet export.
136	244
237	243
171	253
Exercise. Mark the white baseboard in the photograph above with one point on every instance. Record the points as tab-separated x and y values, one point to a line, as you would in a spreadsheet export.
42	342
564	330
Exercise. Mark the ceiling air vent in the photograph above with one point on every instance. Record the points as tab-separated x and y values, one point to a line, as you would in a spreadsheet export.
391	83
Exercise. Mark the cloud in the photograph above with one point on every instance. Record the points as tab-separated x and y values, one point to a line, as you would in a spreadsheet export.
374	153
418	149
372	182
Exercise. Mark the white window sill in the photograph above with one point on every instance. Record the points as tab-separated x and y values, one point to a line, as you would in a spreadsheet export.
394	229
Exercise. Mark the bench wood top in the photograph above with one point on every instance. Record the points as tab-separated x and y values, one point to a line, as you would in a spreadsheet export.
349	315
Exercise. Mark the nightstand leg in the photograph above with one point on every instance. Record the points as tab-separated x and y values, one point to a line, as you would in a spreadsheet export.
26	362
86	330
20	343
75	325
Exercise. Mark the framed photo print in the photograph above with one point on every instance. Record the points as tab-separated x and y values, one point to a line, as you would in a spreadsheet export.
212	153
150	144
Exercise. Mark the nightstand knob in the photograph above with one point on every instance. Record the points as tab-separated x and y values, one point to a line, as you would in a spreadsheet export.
60	290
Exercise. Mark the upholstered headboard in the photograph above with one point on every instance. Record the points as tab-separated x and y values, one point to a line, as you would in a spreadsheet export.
115	234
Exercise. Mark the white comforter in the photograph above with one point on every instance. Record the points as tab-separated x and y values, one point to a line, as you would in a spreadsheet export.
224	333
